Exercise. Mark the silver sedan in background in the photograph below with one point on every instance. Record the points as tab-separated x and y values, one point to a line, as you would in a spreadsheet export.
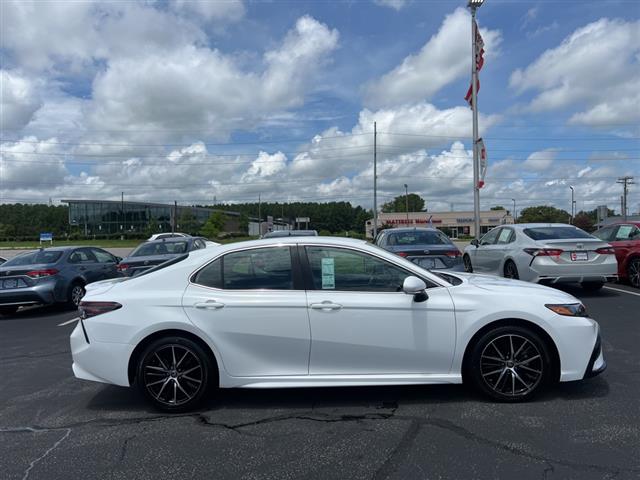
547	253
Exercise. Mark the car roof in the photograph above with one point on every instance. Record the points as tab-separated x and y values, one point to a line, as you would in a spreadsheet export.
170	240
411	229
537	225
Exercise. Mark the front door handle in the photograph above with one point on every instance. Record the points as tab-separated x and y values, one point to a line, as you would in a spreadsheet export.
209	305
326	305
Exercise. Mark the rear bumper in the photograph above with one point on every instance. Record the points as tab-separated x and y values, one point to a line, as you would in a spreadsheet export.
546	270
551	280
36	295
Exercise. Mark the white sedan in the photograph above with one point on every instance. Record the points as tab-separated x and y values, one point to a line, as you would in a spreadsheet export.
321	311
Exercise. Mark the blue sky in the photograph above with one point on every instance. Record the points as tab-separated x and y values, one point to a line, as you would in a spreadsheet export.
196	100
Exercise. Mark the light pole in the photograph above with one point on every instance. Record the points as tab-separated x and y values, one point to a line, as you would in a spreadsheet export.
572	203
473	6
515	216
406	201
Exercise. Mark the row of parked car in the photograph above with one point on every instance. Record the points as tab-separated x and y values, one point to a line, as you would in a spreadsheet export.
534	252
540	253
60	274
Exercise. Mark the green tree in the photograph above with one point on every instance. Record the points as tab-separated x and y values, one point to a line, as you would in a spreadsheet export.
187	222
152	227
399	204
498	207
243	223
213	226
544	214
584	221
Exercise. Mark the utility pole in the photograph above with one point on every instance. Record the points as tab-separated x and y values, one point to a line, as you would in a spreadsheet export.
515	216
625	181
375	181
406	201
124	215
259	215
573	202
175	216
473	5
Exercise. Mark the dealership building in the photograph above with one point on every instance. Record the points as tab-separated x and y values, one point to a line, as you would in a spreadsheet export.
108	217
454	224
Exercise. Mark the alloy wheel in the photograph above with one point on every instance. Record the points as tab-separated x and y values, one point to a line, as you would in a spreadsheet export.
511	271
467	264
511	365
173	374
77	292
634	272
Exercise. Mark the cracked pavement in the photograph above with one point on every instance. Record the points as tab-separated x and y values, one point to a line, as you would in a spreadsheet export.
54	426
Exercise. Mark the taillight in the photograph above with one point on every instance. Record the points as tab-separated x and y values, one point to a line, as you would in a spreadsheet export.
402	254
91	309
606	251
544	252
47	272
122	267
453	253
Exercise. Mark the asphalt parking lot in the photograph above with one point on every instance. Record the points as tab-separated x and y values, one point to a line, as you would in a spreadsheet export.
54	426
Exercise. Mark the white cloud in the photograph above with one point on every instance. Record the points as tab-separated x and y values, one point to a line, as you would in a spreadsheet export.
541	160
596	68
230	10
18	170
395	4
19	100
198	89
443	59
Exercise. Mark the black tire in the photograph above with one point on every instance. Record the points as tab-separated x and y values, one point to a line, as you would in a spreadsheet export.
592	286
175	374
75	293
633	272
9	310
510	270
492	371
467	264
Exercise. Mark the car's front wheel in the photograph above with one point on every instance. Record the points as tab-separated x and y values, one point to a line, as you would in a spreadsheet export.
174	373
633	272
509	364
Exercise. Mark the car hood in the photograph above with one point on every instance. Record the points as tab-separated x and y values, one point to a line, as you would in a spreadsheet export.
508	287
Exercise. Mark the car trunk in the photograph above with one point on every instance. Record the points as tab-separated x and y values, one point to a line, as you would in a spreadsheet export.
137	265
16	276
428	256
576	251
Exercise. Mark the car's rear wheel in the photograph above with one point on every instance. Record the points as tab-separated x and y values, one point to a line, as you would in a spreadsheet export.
174	373
510	364
592	286
10	310
510	270
633	272
75	294
467	264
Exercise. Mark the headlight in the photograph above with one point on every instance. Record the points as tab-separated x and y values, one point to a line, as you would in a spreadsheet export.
568	309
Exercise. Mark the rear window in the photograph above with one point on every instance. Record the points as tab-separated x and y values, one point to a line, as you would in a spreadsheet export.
555	233
33	258
418	238
160	248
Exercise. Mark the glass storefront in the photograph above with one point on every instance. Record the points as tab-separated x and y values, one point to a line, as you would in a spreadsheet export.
113	217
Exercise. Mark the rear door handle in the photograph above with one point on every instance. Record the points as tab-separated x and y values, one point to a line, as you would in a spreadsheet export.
209	305
326	305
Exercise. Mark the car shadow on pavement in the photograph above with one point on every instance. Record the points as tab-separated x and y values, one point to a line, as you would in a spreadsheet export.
111	398
38	311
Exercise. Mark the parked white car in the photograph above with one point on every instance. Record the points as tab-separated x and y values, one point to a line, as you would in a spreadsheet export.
546	253
160	236
326	311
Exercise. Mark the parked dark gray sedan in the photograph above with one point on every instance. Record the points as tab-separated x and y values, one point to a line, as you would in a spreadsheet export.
149	254
427	247
2	260
52	275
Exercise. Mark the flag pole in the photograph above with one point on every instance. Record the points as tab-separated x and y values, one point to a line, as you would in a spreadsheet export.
474	106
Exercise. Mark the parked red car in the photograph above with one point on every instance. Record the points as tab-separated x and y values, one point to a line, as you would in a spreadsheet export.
625	239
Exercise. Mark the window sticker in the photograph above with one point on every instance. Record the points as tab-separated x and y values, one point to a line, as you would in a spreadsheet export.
504	236
624	232
328	274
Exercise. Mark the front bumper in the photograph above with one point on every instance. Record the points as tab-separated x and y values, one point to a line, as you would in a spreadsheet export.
597	364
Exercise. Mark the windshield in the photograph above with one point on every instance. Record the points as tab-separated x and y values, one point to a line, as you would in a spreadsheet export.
32	258
160	248
417	237
555	233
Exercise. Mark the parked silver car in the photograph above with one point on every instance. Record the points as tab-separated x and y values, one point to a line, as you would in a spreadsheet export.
52	275
544	253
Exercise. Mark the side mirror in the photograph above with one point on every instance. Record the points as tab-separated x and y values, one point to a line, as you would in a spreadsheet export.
475	242
416	287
